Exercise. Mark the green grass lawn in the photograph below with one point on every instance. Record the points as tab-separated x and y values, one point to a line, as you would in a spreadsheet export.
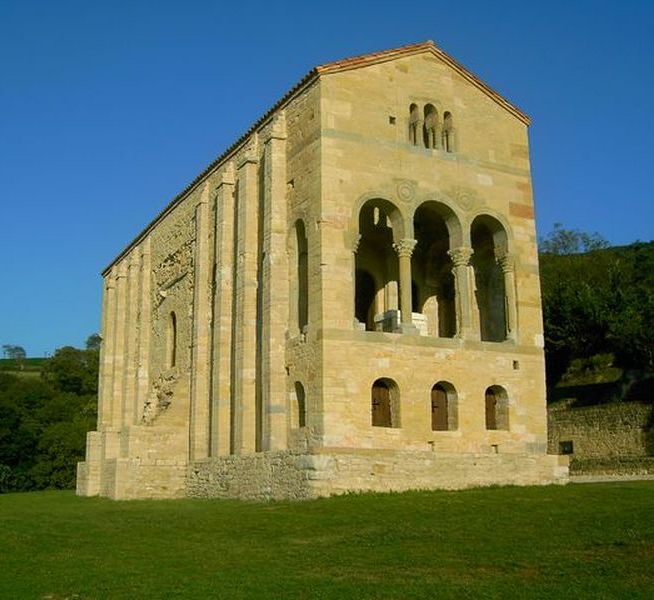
579	541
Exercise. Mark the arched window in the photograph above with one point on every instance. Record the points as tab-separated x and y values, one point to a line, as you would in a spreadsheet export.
489	241
302	275
497	408
300	410
430	127
376	286
172	340
414	124
448	132
444	407
385	403
431	267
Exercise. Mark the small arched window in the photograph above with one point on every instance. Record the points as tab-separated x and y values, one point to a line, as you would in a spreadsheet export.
385	403
414	124
448	132
172	340
300	409
497	408
443	407
430	127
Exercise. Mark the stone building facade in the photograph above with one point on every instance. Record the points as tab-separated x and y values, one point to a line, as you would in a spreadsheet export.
346	299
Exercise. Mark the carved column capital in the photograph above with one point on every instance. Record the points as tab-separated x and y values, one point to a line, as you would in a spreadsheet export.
404	248
460	256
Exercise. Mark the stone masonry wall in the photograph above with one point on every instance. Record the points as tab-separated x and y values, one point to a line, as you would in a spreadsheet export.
288	476
599	431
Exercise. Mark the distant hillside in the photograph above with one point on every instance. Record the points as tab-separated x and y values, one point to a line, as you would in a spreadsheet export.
27	367
598	307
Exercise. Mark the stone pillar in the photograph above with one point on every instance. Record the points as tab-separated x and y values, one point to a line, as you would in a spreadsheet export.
145	311
221	361
244	389
120	317
404	249
105	380
464	286
131	320
274	288
200	418
507	264
352	241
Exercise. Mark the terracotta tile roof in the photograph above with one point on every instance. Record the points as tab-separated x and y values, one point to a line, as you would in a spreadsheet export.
345	64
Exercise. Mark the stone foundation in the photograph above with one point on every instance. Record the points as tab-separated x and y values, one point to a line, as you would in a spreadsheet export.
289	476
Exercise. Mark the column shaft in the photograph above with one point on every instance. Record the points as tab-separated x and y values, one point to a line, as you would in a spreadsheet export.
275	290
143	368
463	281
200	418
222	316
245	416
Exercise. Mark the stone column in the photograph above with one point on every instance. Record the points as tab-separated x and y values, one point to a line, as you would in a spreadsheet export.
105	380
221	361
274	288
119	344
404	249
507	264
131	358
245	414
464	286
143	369
352	241
200	418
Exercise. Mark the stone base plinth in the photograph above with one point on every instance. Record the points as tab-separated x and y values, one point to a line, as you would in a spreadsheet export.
289	476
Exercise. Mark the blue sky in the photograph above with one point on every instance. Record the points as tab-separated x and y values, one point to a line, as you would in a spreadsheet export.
108	110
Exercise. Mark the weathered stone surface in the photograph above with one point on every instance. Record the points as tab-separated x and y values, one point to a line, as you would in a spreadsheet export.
241	354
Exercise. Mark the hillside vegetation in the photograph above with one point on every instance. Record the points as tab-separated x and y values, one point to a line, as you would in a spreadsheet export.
598	310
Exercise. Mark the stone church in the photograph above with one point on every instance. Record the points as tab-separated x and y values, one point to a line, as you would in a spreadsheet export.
346	299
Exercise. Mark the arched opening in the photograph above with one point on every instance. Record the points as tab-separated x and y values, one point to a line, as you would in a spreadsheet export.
444	408
302	273
488	242
430	127
376	266
497	408
414	124
448	132
385	403
431	267
172	340
299	411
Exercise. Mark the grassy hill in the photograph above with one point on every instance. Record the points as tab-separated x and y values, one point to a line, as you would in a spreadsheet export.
28	367
578	541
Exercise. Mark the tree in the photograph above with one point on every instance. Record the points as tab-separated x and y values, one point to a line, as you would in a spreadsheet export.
16	353
43	423
72	370
571	241
93	342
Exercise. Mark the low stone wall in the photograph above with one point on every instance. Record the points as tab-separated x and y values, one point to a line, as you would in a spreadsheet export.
285	475
597	431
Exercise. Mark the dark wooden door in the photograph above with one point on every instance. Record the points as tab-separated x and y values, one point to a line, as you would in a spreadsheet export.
438	409
381	406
